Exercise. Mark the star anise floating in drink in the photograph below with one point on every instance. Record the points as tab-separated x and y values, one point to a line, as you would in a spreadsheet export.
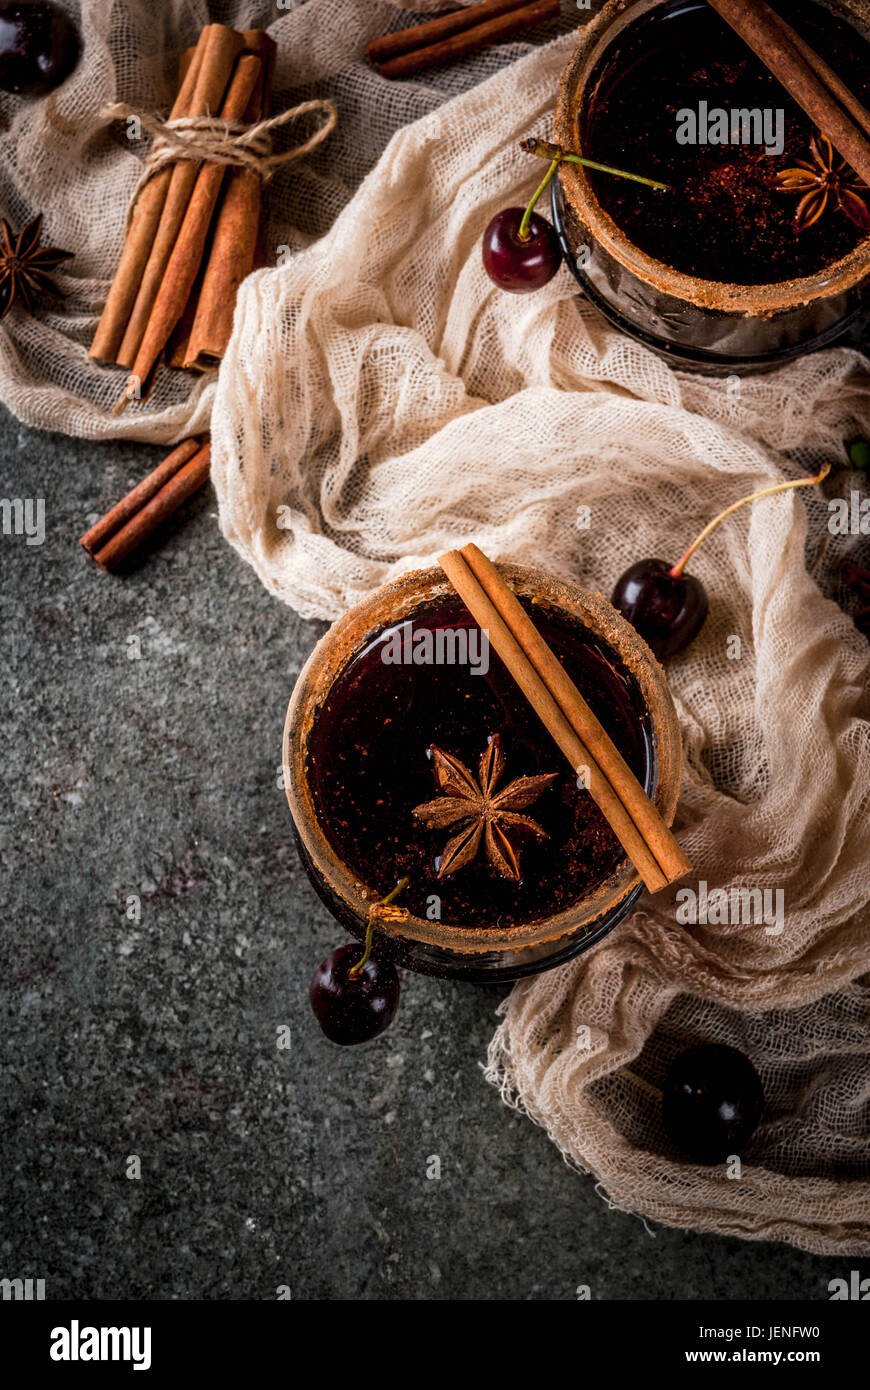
483	813
25	266
826	179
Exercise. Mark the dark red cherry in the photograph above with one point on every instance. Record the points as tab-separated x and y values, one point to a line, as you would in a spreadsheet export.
667	610
354	1008
712	1101
39	47
515	265
857	578
666	605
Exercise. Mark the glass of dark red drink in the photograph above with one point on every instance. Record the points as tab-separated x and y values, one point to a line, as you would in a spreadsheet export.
408	671
717	273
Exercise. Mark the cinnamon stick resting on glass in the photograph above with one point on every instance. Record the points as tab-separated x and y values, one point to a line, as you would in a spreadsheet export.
806	77
631	814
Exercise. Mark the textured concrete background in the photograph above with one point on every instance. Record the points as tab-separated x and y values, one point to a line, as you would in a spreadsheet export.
158	777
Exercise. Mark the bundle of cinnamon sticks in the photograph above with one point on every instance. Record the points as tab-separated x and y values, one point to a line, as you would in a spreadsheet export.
455	35
193	231
632	816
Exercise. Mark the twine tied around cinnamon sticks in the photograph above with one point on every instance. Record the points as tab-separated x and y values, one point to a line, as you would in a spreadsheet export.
219	141
194	230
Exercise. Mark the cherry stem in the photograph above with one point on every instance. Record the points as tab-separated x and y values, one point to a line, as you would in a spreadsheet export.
735	506
523	233
370	929
545	149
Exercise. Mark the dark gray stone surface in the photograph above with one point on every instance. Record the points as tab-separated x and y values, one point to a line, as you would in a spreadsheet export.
158	777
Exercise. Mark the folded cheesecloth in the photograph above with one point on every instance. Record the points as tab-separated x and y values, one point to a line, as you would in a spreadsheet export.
381	401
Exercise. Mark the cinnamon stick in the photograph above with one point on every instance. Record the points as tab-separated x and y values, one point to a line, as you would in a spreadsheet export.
135	500
177	346
127	525
591	731
179	341
772	42
458	45
221	48
186	256
141	232
823	70
519	663
434	30
621	799
235	235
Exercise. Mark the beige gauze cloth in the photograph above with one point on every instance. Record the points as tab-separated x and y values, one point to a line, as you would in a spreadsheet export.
381	401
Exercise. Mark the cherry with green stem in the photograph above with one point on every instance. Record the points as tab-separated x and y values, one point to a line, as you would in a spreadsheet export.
663	603
521	251
354	998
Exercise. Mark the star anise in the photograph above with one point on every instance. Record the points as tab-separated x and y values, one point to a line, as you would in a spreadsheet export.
824	180
24	266
486	811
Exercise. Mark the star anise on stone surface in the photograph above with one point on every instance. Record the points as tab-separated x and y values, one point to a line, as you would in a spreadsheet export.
486	813
25	266
823	180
